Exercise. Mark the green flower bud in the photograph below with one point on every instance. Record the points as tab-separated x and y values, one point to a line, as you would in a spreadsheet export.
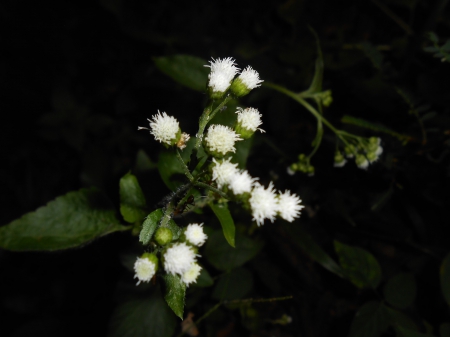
350	150
238	88
163	236
361	161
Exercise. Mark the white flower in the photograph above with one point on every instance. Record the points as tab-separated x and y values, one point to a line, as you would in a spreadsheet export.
144	270
363	164
289	206
194	234
250	78
163	127
191	274
222	172
341	163
221	139
263	203
249	119
179	258
222	73
241	182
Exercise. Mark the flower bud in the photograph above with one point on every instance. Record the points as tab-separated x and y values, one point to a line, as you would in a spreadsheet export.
220	140
145	267
339	160
350	150
247	81
220	77
163	236
361	161
247	122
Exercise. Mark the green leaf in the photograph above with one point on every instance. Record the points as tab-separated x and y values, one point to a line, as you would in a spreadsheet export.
400	291
233	285
224	257
176	231
373	126
242	151
360	267
399	319
304	241
445	278
145	317
174	293
168	166
68	221
149	226
132	200
223	214
187	70
403	332
204	279
371	320
444	330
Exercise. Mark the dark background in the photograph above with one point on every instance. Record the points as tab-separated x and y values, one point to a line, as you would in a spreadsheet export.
77	79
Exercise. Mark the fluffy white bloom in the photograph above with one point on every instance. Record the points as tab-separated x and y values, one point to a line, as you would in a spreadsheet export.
249	119
191	274
250	78
163	127
221	139
194	234
179	258
222	172
289	206
144	270
241	182
263	203
222	73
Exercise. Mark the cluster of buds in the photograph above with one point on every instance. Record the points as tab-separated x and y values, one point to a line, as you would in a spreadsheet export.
302	165
178	257
366	152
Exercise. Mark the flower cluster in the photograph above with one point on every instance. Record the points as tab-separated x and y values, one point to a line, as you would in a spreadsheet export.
366	152
265	203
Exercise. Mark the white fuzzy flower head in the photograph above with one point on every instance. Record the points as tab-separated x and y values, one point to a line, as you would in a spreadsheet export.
223	171
178	258
250	78
220	140
195	235
248	121
241	182
191	275
289	206
165	128
222	73
264	203
144	270
361	161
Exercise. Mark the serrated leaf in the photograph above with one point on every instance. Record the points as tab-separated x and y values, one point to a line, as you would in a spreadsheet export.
187	70
168	167
132	200
445	278
68	221
224	257
174	293
233	285
400	290
371	320
310	247
146	317
226	220
149	226
360	267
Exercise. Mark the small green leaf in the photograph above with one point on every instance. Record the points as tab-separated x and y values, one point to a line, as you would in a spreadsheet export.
233	285
360	267
149	226
144	317
187	70
224	257
226	220
445	278
132	200
371	320
176	231
168	166
242	151
403	332
310	247
174	293
68	221
400	291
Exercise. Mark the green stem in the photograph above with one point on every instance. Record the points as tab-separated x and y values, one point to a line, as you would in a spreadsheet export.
215	190
185	168
208	115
